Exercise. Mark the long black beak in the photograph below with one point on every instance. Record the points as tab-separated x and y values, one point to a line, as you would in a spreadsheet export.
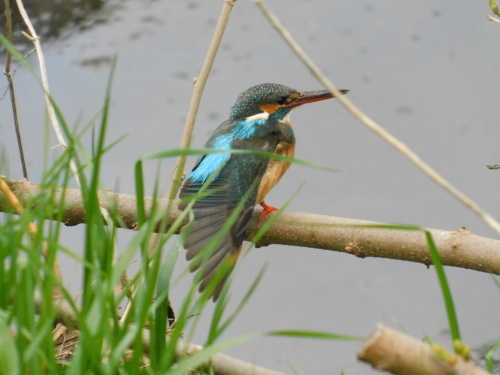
313	96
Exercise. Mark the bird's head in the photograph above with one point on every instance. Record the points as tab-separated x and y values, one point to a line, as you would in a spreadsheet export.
271	99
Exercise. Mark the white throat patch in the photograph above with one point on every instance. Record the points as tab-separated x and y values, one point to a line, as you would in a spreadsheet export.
259	116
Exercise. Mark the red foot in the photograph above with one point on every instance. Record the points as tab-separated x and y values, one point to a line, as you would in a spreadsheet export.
266	210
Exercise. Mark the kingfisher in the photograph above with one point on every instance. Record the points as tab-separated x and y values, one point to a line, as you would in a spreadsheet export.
233	184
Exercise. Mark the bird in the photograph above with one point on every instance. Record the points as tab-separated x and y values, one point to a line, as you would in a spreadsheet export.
236	182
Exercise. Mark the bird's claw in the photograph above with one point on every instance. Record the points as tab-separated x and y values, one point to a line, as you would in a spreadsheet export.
265	210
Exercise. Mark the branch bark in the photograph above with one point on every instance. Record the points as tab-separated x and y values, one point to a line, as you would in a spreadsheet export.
361	238
393	351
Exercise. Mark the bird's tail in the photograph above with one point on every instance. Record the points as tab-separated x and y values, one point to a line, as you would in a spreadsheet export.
212	253
213	239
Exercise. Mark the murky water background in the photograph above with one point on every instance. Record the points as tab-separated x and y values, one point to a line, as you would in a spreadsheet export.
427	71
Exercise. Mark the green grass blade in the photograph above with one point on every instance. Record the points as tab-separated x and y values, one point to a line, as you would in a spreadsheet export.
9	357
490	356
206	151
315	335
445	288
139	189
16	54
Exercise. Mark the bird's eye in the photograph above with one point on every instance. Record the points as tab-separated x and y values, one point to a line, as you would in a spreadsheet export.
282	100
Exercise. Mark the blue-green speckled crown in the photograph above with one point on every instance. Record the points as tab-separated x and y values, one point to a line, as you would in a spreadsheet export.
250	100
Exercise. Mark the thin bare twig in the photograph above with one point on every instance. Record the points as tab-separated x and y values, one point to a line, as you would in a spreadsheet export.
491	18
33	37
372	125
14	70
7	72
199	86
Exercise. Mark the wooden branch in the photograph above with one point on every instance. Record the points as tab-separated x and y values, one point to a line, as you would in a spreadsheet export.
396	352
461	248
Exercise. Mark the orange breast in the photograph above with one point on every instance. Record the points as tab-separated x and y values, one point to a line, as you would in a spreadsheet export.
275	170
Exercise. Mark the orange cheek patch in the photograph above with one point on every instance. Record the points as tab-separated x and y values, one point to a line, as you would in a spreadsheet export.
270	108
